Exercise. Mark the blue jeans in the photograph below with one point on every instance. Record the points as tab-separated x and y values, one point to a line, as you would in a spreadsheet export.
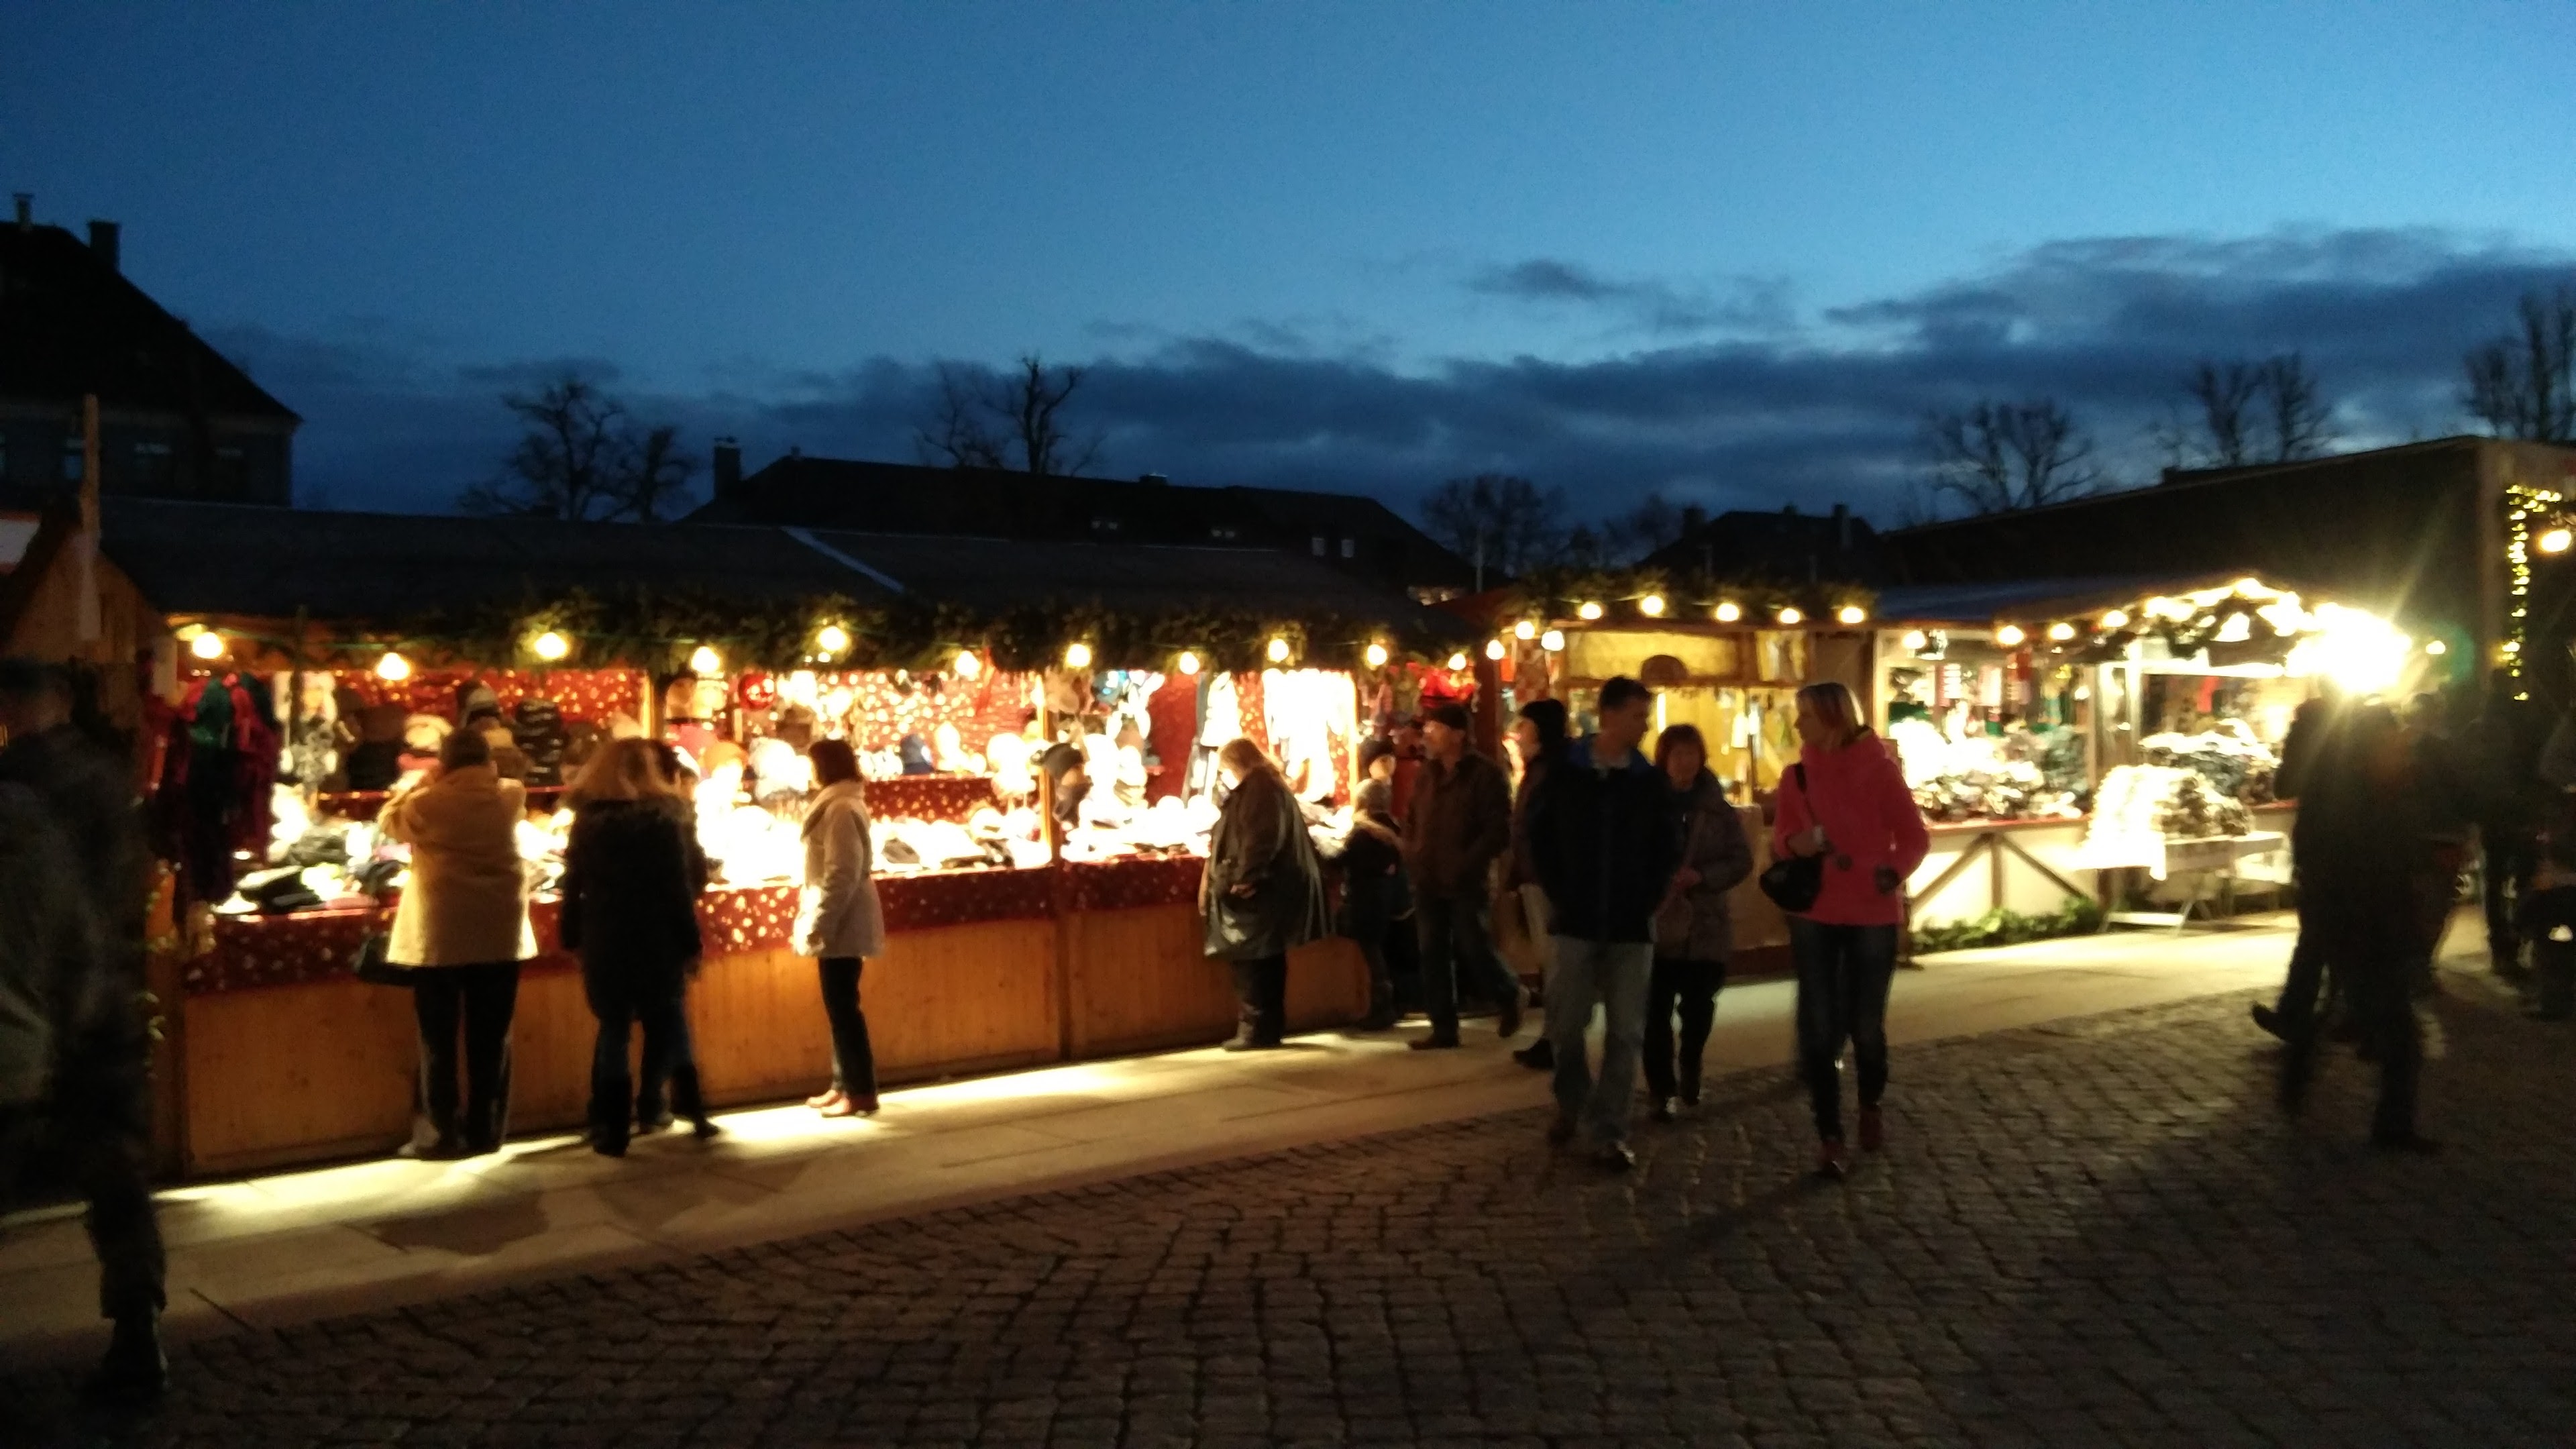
1458	948
1612	975
1844	973
670	1063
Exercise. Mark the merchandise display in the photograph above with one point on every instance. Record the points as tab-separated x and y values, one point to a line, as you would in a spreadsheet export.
2165	802
2020	774
2227	755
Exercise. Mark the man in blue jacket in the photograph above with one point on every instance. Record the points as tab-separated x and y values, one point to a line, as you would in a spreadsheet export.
1605	840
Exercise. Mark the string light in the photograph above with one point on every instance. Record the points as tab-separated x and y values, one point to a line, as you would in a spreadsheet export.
550	647
393	668
2116	619
1553	641
1494	650
1652	606
704	660
1457	662
1588	611
1851	614
208	645
1376	656
1790	616
2436	646
1729	611
1188	662
1916	640
1525	630
2010	636
2523	504
1278	650
2061	631
968	665
1077	656
833	638
2556	540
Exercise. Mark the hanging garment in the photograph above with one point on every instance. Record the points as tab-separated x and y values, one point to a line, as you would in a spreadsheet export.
218	765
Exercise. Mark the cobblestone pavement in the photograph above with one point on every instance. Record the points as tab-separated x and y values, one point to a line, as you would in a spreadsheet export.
2096	1232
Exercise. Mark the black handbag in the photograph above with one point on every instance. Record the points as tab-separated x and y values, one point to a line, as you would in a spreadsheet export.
368	963
1794	881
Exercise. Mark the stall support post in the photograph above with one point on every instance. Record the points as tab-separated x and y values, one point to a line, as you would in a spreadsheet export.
1489	707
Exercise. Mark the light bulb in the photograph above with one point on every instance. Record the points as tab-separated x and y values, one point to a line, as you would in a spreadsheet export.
2436	646
2556	540
550	646
1791	616
2116	619
1457	662
1525	630
968	665
1851	614
2061	631
705	660
1553	641
1652	606
1278	650
1376	656
393	667
2010	636
1188	662
1494	650
1077	656
1729	612
209	645
1588	610
833	638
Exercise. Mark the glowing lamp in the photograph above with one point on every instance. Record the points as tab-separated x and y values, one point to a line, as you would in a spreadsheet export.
705	660
1652	606
1789	616
208	645
1553	641
1588	610
550	646
2436	646
1278	651
1729	612
2061	631
1457	662
968	665
1851	614
2116	619
1077	656
833	638
1188	662
1524	630
2010	636
2556	540
1916	639
393	667
1494	650
1376	656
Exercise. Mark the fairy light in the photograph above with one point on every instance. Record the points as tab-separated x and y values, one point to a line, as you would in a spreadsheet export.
1457	662
1278	650
2524	505
2010	636
2116	619
1553	641
1376	656
550	647
1790	616
1077	656
393	668
208	645
1728	611
1652	606
1494	650
2061	631
968	664
1524	631
1916	640
1850	614
1188	663
1588	611
704	660
2556	540
833	638
2436	646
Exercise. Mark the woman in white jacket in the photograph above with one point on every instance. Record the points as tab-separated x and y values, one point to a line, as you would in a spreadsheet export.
840	923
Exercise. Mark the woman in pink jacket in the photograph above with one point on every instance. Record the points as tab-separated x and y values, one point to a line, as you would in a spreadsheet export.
1846	802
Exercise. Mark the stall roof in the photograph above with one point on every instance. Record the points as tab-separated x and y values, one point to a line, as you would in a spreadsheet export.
1978	604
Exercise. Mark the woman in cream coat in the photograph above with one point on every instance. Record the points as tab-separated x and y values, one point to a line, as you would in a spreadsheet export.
840	923
462	931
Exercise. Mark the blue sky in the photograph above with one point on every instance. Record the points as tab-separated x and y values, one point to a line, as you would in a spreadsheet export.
1729	252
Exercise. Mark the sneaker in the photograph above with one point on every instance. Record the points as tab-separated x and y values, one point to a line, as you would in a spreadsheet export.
853	1107
1663	1111
1615	1157
1873	1129
445	1149
823	1098
1507	1018
135	1367
608	1146
1690	1084
1538	1056
703	1128
1438	1041
1830	1159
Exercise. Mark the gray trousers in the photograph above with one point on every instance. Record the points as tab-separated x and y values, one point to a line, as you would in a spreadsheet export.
1613	976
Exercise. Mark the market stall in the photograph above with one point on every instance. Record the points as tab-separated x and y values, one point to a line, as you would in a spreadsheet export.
1041	906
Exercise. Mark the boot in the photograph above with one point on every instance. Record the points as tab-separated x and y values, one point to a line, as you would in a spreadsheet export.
1538	1056
1382	1013
135	1367
1689	1084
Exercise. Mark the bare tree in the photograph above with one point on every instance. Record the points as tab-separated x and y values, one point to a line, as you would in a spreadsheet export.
1998	456
1651	525
581	456
2271	411
2302	420
1501	524
1013	420
2225	397
2525	386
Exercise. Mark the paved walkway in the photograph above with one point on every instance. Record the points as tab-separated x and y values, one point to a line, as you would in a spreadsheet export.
2094	1231
268	1252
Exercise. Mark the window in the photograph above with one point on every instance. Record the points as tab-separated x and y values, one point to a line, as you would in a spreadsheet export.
72	457
1223	534
155	465
1319	545
1104	525
1350	548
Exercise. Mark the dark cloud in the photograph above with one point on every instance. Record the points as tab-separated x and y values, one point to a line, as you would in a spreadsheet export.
1747	304
1828	409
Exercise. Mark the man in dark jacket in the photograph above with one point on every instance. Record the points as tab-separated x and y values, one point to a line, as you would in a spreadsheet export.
1460	823
99	1099
1605	843
2501	752
2293	1015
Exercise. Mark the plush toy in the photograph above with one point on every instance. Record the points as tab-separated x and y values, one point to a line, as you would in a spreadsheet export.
756	691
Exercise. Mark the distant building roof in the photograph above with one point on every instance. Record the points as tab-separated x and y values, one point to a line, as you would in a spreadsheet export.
1788	545
72	325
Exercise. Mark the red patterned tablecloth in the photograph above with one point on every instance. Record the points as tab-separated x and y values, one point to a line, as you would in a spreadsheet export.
929	797
1117	885
249	952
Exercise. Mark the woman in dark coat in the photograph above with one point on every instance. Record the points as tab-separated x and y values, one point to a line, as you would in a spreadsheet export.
633	872
1695	931
1263	892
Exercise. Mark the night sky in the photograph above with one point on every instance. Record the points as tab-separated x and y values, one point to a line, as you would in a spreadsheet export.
1720	251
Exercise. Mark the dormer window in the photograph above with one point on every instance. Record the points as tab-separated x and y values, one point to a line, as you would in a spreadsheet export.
1104	525
1223	534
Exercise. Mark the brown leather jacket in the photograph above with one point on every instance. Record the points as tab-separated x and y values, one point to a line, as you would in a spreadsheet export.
1459	824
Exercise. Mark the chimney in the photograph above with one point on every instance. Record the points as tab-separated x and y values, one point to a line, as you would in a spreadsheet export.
1156	479
26	211
727	463
102	240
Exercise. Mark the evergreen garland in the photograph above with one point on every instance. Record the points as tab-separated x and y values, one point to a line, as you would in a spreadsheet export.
1559	594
